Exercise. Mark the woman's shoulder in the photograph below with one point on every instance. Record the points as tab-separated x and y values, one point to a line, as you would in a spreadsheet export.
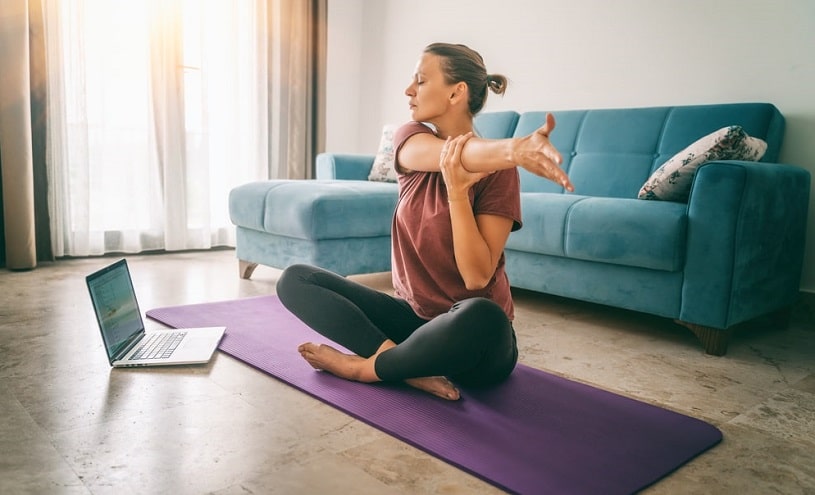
422	126
410	128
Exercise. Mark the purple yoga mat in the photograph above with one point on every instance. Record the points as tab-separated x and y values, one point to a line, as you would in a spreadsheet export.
534	433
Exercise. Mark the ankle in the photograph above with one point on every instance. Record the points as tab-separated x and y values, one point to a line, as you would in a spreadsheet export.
365	370
388	344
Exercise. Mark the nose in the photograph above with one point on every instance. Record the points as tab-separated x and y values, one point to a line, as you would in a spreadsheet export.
410	90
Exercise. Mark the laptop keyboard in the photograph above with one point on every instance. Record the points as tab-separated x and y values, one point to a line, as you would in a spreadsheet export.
158	346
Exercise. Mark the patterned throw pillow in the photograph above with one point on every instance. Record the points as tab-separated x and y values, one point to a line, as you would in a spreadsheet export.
672	181
384	169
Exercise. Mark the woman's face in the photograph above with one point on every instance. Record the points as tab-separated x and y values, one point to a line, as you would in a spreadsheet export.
429	94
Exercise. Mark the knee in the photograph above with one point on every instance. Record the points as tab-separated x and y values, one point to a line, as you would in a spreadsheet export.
479	305
481	312
290	279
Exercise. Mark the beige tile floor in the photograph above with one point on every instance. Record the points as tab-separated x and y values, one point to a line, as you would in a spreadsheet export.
69	424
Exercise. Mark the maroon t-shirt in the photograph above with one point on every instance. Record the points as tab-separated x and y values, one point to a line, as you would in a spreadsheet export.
424	265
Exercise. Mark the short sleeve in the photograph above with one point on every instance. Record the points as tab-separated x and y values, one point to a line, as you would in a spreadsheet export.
403	133
500	194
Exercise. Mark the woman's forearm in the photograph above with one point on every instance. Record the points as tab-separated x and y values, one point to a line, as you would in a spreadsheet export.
535	153
421	153
487	155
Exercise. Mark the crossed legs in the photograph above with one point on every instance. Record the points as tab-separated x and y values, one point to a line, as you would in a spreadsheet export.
473	343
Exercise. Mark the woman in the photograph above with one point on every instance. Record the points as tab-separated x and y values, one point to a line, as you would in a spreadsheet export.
450	320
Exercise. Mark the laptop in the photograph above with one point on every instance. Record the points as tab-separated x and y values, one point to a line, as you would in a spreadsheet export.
126	341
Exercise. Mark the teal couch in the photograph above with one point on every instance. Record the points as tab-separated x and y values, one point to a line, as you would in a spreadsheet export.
732	253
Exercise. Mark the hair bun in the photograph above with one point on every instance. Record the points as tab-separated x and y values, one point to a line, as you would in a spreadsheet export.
497	83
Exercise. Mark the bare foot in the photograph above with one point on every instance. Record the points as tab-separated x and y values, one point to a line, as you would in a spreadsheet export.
436	385
348	366
352	367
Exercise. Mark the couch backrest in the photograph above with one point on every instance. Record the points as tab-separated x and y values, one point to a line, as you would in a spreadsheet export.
496	125
612	152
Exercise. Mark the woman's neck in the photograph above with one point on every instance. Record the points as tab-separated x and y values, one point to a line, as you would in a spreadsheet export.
453	127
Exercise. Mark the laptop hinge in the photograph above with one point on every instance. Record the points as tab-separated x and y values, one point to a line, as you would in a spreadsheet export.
128	344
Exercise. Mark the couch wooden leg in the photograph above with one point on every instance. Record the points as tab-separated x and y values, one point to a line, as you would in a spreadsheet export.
246	268
714	340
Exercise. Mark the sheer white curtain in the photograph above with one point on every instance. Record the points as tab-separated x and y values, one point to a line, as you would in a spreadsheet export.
157	109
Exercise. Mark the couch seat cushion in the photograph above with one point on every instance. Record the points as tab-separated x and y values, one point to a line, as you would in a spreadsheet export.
645	234
628	232
315	209
544	222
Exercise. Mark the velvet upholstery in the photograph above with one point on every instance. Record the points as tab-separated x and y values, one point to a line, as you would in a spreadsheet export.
731	253
627	232
343	225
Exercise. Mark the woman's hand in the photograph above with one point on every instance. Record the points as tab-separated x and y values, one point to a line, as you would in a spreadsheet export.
538	155
457	179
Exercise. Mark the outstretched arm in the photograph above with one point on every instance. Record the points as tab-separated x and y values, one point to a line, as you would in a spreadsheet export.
534	153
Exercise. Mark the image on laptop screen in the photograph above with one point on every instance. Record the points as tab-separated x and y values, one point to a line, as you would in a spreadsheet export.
116	308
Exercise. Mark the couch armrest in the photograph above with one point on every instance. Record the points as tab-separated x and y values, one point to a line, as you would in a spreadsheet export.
746	236
343	166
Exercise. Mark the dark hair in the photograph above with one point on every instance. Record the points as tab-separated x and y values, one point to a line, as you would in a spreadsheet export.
463	64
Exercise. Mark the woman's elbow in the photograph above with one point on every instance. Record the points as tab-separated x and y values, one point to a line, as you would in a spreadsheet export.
476	282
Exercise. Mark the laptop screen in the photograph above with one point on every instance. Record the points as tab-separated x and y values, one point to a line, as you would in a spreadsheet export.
117	311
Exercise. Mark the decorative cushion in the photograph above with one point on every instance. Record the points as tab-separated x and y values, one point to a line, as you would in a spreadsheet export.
672	180
384	169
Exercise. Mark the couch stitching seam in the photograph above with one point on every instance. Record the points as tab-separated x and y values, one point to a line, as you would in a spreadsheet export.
566	226
661	138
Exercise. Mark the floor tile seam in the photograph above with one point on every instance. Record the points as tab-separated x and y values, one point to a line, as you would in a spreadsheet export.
40	431
798	384
804	443
756	426
70	465
42	434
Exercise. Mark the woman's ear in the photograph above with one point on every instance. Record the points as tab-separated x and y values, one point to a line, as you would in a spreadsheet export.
459	92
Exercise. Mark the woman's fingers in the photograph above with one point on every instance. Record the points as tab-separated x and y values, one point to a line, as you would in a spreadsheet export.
547	147
451	151
444	150
457	178
458	145
546	159
553	154
561	178
547	126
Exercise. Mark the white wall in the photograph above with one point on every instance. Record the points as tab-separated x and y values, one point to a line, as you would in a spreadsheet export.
343	67
582	54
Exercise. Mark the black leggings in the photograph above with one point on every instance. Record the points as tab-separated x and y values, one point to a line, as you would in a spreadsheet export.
472	344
